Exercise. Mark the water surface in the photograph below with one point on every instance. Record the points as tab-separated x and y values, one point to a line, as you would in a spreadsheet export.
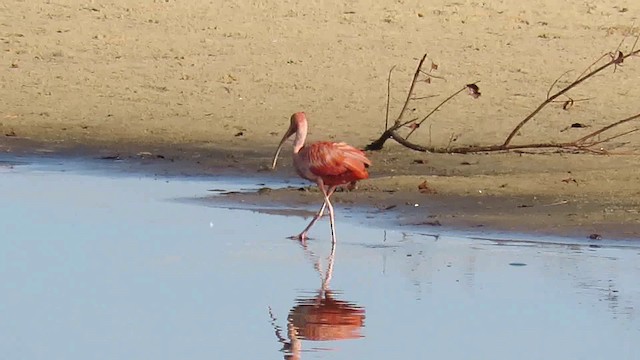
99	266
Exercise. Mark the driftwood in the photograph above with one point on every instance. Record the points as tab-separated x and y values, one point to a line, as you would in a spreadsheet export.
585	144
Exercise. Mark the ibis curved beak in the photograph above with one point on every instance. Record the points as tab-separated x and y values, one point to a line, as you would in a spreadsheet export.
286	136
275	157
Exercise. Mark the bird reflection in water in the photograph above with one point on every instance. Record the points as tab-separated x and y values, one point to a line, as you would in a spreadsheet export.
322	317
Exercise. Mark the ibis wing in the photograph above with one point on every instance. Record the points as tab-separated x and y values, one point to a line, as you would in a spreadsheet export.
335	159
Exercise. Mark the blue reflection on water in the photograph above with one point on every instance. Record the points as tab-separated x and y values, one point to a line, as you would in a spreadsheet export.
103	267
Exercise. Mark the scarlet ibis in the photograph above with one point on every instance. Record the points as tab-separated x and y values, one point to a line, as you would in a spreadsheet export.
328	164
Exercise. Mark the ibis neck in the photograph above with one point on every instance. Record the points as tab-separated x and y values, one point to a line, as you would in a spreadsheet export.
301	136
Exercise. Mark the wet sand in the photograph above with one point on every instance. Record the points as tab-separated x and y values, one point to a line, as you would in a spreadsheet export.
467	201
210	88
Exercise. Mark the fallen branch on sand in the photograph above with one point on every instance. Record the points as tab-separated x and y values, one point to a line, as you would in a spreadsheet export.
591	143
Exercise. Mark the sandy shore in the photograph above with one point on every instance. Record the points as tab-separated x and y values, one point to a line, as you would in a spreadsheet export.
210	87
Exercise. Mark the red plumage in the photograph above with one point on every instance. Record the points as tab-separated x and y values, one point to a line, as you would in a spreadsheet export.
336	163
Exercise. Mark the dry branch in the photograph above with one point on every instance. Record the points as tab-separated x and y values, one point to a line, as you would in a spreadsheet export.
614	61
584	144
410	93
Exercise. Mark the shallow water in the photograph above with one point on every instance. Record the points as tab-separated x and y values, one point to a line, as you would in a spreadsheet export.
105	266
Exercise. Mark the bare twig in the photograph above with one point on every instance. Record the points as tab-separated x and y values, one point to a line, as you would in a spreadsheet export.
409	144
556	81
574	100
433	111
428	74
386	117
601	130
410	93
452	138
613	137
423	97
588	69
620	45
